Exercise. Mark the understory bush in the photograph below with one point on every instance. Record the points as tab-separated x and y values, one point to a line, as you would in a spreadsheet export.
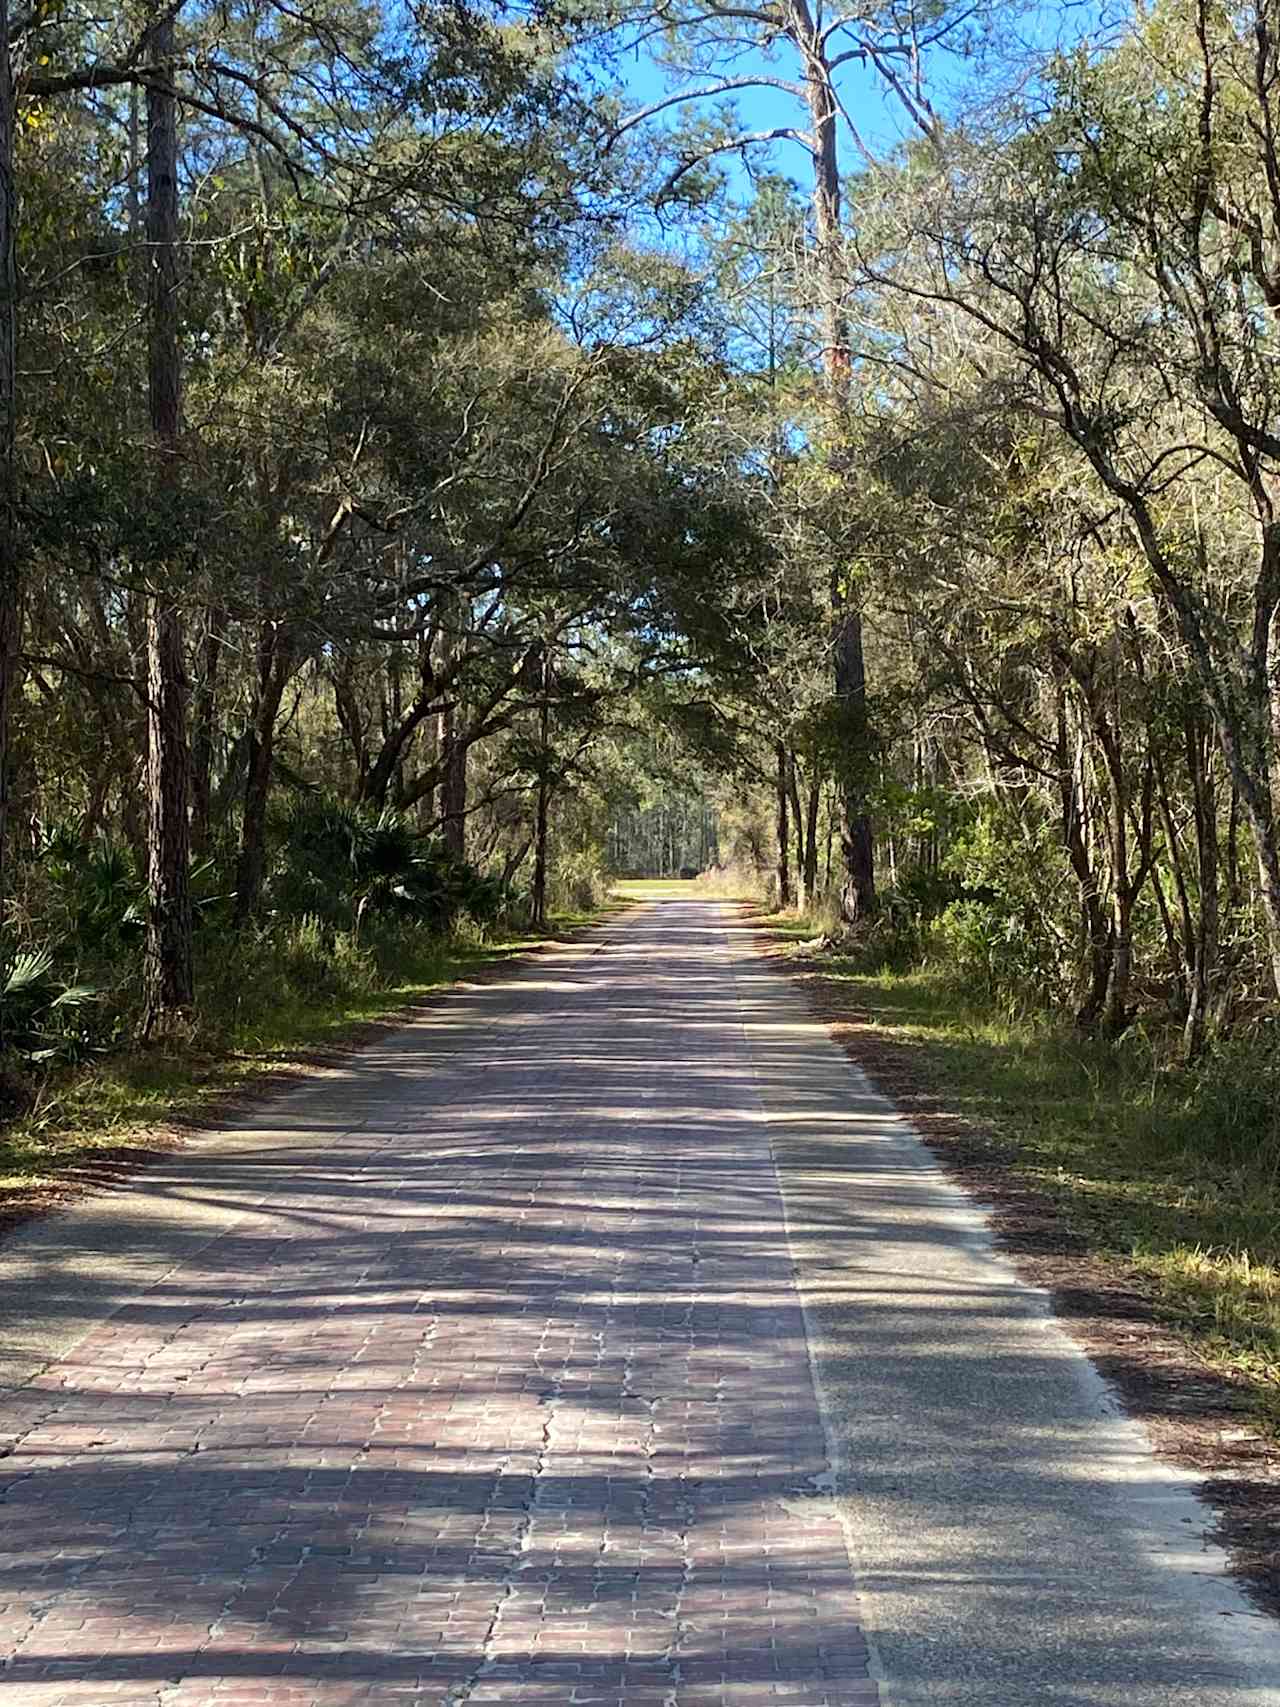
319	963
579	882
267	977
997	953
1230	1097
354	902
735	881
41	1017
989	919
342	864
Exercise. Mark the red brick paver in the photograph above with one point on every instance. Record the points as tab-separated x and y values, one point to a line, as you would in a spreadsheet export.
494	1389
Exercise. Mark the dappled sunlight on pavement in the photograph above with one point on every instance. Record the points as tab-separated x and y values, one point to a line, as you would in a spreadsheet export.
487	1382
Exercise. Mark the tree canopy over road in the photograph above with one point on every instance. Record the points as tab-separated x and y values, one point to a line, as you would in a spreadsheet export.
441	460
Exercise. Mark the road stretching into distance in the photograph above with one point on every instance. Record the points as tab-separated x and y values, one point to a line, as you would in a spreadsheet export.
599	1337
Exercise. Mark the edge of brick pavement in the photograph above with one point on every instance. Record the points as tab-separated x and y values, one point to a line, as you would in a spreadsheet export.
143	1142
1181	1472
1106	1307
827	1484
91	1189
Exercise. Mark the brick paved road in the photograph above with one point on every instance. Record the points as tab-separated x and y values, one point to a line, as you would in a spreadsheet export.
491	1385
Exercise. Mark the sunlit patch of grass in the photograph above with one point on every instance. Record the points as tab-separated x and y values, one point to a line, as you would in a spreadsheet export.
655	888
1233	1304
710	885
787	925
1176	1172
253	1024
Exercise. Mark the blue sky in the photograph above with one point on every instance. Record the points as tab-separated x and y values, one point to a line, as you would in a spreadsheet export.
1029	30
768	109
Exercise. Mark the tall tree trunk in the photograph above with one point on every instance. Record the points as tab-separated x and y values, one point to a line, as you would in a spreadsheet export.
783	828
1205	961
273	673
425	804
857	844
797	817
540	824
513	863
168	981
1123	884
811	839
10	568
453	786
1095	925
202	734
540	836
858	891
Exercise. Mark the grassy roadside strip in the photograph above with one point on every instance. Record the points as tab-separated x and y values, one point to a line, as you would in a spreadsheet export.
87	1123
1139	1169
1139	1196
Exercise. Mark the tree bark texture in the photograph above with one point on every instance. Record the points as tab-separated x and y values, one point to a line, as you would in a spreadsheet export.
10	568
168	975
783	828
541	812
811	839
453	786
858	890
857	844
202	734
273	673
797	819
168	981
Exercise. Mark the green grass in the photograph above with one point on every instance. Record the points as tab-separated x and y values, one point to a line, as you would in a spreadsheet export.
787	927
711	886
655	888
254	1021
1174	1171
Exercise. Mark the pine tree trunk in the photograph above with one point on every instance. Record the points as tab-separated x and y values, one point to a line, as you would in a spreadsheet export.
202	736
540	827
797	819
540	824
858	890
168	978
811	840
10	567
251	865
453	790
168	985
784	833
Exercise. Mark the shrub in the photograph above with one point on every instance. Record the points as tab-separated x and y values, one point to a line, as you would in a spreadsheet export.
342	865
42	1019
734	882
1232	1100
993	952
317	962
579	882
94	901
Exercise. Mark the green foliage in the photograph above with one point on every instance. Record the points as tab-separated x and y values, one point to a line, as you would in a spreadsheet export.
339	864
1169	1168
998	953
994	933
579	882
96	897
317	963
41	1018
